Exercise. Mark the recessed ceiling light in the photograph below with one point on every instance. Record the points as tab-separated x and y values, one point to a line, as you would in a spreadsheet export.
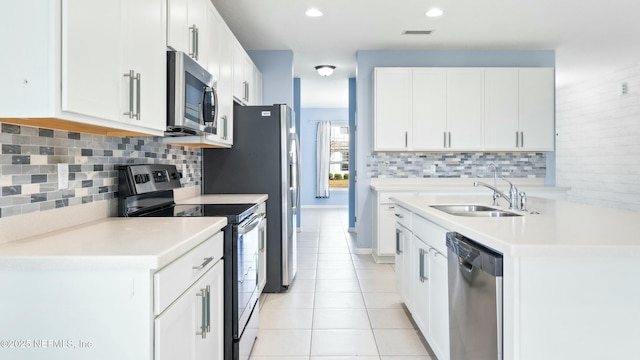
435	12
313	12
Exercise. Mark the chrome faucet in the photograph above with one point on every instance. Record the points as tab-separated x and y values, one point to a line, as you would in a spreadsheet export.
496	195
512	197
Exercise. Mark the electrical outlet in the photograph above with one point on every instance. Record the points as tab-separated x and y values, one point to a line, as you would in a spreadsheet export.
63	176
184	170
624	89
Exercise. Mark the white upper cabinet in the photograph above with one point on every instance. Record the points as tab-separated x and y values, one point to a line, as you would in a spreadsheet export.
519	109
109	59
145	54
187	29
392	108
244	81
81	59
464	108
501	130
537	108
429	108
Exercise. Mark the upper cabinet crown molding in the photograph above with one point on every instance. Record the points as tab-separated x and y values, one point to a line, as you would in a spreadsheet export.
463	109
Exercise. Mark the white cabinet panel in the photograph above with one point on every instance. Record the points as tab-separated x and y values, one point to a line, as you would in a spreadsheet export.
420	281
144	52
92	58
537	108
439	304
392	108
429	283
519	109
386	228
130	38
501	108
187	29
464	108
429	117
179	330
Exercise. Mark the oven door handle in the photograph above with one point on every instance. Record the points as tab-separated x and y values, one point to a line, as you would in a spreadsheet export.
250	225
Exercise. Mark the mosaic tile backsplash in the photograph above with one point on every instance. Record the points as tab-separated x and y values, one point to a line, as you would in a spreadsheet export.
455	165
29	171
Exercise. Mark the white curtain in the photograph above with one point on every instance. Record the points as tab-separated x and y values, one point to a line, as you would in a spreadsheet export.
323	157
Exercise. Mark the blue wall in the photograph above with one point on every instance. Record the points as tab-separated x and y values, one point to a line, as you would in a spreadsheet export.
308	122
368	59
276	67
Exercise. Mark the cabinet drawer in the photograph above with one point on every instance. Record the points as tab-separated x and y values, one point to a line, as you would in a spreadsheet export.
172	280
430	233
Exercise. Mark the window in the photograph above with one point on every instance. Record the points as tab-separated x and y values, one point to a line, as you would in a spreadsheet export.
339	152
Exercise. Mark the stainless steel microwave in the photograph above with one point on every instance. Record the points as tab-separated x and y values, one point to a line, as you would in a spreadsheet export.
192	99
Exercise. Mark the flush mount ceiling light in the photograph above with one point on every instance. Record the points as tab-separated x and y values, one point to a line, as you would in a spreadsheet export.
325	70
435	12
313	12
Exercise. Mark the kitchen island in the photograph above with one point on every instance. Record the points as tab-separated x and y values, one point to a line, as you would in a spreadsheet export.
571	285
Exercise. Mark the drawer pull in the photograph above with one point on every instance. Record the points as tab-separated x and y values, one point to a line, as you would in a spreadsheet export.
399	216
205	263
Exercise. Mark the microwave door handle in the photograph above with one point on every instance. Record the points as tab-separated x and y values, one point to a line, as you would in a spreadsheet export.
215	107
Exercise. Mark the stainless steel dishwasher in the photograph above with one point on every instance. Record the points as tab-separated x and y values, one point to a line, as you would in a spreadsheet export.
475	300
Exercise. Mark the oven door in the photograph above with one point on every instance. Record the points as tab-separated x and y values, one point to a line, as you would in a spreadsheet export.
248	246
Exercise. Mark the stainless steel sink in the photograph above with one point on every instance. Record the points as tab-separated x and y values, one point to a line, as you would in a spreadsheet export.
474	211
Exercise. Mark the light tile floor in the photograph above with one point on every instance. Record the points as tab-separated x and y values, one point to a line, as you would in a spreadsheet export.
341	306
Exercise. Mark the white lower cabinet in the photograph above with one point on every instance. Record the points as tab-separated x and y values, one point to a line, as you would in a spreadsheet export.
385	214
422	280
192	327
403	263
262	250
108	311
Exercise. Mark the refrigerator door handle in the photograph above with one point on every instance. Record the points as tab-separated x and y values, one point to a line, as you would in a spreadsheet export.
296	172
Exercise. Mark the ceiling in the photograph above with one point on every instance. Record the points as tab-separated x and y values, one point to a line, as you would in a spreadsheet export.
589	37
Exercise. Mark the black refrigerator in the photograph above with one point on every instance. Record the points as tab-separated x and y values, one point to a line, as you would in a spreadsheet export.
264	159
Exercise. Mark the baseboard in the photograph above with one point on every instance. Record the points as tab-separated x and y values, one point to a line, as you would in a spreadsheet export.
363	251
325	206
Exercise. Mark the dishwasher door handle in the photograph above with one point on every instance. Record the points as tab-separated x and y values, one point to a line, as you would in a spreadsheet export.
464	265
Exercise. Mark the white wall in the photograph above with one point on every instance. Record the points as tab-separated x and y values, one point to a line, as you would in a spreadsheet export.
598	144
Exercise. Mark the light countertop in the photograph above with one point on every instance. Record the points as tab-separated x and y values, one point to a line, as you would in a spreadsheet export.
225	199
560	229
149	243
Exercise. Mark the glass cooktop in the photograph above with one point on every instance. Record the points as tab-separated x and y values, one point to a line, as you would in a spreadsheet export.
235	213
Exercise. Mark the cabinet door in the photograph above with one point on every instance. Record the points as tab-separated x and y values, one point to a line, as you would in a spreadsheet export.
92	75
429	117
262	257
386	230
196	11
403	264
212	347
225	85
144	43
256	86
438	318
178	34
239	76
392	108
420	279
464	108
501	108
537	108
213	28
178	330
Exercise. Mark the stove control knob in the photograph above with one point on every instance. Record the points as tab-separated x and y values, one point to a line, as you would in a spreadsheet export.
141	178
